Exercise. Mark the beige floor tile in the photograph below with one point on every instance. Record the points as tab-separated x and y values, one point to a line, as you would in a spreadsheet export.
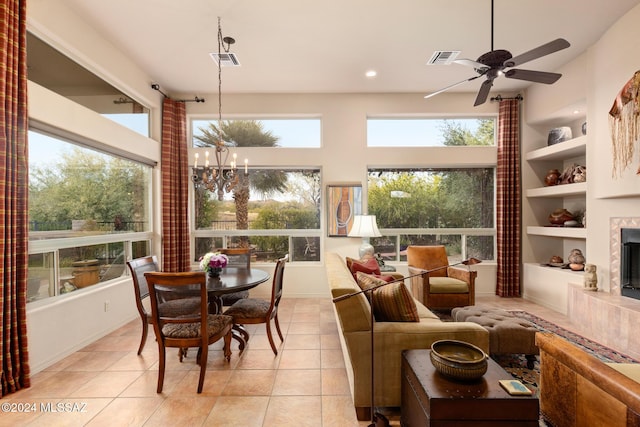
330	341
259	359
304	328
299	411
129	411
182	411
335	382
214	382
107	384
132	362
331	359
300	359
97	361
147	383
302	342
338	411
304	382
250	382
59	385
238	411
71	412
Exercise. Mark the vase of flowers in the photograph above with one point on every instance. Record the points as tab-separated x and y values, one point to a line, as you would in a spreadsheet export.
213	263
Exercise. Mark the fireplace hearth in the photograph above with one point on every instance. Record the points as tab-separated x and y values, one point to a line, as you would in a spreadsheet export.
630	262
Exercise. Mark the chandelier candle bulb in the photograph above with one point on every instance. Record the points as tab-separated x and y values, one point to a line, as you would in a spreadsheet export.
195	161
206	159
246	166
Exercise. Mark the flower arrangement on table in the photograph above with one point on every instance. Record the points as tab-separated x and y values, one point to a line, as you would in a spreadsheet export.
213	262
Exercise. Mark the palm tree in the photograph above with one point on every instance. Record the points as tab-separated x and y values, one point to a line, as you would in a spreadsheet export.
245	133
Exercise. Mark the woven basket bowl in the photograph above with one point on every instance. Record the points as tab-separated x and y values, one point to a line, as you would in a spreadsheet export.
458	360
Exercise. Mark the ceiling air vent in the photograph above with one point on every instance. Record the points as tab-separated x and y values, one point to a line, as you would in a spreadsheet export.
225	59
443	57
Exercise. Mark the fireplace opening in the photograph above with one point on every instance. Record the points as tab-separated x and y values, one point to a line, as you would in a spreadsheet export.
630	262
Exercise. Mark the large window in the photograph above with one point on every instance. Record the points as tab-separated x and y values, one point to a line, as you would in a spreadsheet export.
275	212
88	212
429	132
286	133
453	206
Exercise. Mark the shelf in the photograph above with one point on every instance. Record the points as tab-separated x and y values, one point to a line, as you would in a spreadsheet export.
562	232
562	190
575	147
570	273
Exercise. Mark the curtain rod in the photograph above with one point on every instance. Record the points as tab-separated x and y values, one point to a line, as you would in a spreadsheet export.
500	98
156	86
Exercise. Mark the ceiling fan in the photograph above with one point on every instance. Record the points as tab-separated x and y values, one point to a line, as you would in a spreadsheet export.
495	63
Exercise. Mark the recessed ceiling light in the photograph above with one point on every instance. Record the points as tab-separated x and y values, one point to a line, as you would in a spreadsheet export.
576	111
371	73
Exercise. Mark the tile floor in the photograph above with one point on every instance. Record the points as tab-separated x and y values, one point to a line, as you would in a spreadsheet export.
107	384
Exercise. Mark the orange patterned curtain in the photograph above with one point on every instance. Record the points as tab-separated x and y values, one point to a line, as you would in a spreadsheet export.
175	187
508	199
14	191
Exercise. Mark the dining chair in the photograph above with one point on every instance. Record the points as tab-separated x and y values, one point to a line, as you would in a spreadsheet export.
256	310
239	258
138	267
199	329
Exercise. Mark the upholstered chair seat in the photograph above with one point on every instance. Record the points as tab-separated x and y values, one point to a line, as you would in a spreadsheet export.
216	323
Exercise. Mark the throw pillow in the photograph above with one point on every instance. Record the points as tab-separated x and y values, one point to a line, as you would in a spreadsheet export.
369	266
391	303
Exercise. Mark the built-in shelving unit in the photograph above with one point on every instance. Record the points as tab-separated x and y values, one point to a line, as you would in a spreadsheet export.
544	284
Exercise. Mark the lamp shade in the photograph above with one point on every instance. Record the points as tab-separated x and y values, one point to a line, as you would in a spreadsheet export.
364	226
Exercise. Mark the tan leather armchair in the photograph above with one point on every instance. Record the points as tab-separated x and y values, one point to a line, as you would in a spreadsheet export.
445	288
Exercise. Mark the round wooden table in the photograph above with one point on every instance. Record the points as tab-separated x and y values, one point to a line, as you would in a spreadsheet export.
232	279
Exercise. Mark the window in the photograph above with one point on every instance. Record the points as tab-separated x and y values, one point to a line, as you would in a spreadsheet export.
429	132
451	207
276	212
88	212
286	133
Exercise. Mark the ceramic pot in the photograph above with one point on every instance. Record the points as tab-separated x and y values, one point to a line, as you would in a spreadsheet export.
559	216
552	177
576	257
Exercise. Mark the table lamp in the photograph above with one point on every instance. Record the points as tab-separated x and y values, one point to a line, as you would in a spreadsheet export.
365	226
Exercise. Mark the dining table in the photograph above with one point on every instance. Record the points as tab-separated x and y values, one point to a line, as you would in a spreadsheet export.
229	280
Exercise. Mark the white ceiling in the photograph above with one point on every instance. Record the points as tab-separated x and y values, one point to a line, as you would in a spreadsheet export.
312	46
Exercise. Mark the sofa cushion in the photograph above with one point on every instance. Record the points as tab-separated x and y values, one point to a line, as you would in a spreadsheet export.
391	303
368	266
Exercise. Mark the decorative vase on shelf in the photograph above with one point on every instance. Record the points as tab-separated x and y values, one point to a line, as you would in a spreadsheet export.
552	177
560	216
214	272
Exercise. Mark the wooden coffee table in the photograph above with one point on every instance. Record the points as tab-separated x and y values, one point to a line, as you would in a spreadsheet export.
430	399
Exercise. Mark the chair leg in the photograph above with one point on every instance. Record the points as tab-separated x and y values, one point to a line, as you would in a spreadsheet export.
238	337
227	346
143	339
203	353
161	364
270	336
278	327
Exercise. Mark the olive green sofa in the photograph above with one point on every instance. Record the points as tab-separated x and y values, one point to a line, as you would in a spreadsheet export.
390	338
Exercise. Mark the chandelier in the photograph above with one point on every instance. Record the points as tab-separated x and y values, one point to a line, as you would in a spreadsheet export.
220	177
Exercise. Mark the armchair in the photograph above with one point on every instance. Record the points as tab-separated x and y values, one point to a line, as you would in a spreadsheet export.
443	287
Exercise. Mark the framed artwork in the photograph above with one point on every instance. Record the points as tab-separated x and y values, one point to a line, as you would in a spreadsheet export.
344	201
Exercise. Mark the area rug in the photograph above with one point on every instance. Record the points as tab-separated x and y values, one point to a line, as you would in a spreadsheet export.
516	364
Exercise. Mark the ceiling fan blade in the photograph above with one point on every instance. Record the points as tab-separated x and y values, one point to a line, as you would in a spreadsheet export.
471	63
483	93
533	76
545	49
450	87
